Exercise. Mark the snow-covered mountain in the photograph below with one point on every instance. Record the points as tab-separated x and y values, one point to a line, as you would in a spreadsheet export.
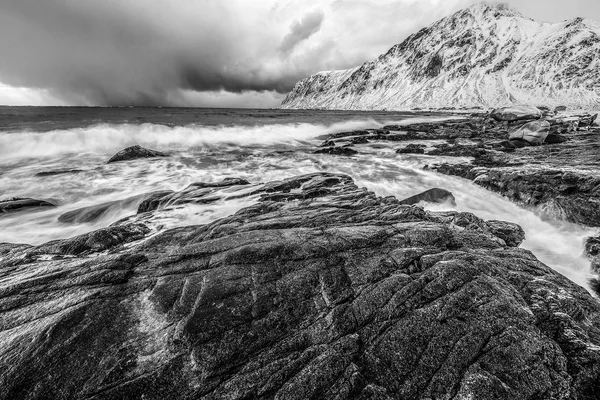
487	55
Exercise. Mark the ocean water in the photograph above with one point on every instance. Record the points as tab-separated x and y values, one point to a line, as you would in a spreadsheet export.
211	144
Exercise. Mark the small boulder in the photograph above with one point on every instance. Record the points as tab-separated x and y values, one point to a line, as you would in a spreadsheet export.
20	204
560	109
135	152
434	195
534	132
516	113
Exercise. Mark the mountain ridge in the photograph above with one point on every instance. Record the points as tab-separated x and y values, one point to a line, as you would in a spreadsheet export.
487	55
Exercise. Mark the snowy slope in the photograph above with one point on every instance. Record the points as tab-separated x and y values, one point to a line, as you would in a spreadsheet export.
487	55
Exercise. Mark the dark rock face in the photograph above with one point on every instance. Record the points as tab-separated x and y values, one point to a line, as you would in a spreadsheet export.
412	149
135	152
347	296
434	195
22	204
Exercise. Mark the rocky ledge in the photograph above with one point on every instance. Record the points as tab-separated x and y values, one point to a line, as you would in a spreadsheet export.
320	290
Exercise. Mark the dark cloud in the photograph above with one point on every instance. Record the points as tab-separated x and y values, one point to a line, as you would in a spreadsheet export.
302	30
151	52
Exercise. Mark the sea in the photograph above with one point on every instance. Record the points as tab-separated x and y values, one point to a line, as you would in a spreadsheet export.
207	145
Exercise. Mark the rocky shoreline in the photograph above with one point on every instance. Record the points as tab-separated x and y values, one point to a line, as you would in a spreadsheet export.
320	289
560	177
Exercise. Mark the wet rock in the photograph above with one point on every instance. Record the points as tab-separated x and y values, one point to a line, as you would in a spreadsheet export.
153	201
348	295
592	251
99	211
565	195
93	242
516	113
59	172
21	204
338	151
135	152
534	132
412	149
435	195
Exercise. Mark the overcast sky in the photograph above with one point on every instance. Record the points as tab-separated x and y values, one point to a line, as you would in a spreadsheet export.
220	53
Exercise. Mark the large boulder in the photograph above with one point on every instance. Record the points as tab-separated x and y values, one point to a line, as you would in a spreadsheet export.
347	296
20	204
516	113
135	152
534	132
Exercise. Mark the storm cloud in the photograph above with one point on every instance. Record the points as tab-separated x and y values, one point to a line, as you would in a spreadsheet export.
302	30
184	52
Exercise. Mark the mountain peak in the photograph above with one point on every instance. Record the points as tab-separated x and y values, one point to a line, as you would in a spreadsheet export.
496	8
486	55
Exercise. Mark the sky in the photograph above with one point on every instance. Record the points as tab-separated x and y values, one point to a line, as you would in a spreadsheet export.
206	53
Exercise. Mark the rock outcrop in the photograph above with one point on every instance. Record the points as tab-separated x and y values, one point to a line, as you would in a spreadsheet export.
339	294
135	152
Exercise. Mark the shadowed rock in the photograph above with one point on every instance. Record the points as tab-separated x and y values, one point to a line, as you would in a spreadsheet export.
22	204
135	152
434	195
343	296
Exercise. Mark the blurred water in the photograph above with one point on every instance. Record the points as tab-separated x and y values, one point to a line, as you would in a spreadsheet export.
256	152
